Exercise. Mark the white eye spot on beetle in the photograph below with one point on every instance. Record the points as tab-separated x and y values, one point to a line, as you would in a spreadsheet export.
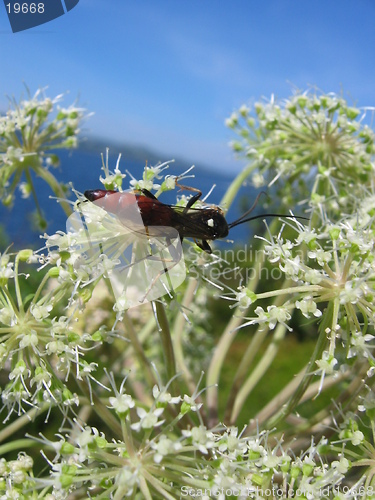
210	223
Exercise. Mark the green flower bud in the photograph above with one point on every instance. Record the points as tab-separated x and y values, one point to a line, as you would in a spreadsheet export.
97	336
307	469
73	337
285	466
352	113
54	272
105	483
41	115
237	146
66	480
24	255
254	455
302	100
64	255
250	122
185	408
8	200
67	449
101	442
334	234
295	472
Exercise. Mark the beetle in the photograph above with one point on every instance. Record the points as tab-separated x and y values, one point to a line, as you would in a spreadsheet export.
201	224
146	250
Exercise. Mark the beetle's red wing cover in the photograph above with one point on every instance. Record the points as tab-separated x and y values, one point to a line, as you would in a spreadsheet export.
109	238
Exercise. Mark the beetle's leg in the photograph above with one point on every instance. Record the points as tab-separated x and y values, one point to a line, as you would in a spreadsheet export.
192	200
187	188
190	203
203	245
176	256
148	194
174	252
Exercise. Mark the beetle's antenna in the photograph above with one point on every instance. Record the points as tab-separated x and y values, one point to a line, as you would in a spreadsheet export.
238	221
241	220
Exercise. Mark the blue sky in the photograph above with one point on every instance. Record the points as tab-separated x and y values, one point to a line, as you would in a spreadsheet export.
166	74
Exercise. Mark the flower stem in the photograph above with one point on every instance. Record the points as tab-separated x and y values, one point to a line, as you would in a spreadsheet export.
12	428
101	410
178	331
18	444
235	186
216	364
55	186
221	350
309	374
242	370
17	284
137	346
166	340
258	372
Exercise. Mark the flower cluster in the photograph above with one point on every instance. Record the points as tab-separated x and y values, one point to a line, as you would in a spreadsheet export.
151	459
310	139
29	132
332	265
74	355
315	148
40	347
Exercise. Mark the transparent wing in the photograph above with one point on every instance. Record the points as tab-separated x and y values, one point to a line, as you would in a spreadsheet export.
142	263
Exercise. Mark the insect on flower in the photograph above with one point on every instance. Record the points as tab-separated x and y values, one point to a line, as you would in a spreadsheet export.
135	240
201	224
